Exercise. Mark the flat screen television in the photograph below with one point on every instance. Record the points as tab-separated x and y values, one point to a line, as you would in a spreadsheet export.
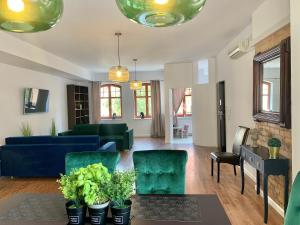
36	100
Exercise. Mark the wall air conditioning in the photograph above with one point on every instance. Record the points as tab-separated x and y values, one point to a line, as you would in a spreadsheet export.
239	50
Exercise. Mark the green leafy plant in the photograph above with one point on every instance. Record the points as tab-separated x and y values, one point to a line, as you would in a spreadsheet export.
121	188
274	142
26	130
96	183
89	185
53	128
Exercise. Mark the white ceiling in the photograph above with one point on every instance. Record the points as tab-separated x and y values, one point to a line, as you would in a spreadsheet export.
85	35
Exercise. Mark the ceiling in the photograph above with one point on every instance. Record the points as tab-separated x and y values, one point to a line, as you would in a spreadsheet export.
85	35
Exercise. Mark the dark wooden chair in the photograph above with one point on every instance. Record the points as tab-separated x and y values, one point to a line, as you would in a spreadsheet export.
233	158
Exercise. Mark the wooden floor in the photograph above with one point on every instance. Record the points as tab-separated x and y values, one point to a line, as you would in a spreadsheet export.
244	209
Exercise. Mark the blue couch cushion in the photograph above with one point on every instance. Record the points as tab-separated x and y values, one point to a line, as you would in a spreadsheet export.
28	140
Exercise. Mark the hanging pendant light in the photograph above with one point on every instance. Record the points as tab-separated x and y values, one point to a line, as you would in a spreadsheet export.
160	13
118	73
27	16
135	84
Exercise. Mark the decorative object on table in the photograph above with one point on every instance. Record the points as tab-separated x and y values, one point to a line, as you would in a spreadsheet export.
120	191
142	115
114	116
274	148
96	180
71	186
53	131
135	84
254	134
160	13
27	16
118	73
26	130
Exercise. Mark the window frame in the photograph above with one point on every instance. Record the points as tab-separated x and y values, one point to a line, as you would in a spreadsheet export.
110	101
147	116
185	114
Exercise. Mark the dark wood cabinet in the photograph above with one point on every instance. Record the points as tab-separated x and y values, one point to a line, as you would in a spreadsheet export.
78	105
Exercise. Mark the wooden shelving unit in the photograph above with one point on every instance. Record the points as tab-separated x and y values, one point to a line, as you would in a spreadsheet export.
78	105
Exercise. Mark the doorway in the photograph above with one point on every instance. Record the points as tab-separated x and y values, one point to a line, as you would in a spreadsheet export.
182	120
221	116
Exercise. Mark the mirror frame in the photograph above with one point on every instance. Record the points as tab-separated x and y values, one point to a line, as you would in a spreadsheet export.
282	118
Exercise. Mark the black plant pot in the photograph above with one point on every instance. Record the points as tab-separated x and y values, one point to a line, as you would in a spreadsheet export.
121	216
76	215
98	215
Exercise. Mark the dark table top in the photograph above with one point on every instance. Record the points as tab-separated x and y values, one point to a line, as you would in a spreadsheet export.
262	152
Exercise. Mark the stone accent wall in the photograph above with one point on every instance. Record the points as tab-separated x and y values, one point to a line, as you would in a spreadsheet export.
268	130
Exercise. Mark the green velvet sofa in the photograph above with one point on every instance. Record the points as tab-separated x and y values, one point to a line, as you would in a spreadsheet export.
160	171
118	133
292	216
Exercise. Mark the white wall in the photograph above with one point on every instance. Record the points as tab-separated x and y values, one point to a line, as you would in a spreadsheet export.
295	37
269	17
205	108
13	81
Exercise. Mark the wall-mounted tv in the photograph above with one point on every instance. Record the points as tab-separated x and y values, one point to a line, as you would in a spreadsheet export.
36	100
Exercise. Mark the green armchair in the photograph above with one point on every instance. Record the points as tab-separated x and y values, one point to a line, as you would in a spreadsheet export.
160	171
292	216
76	160
118	133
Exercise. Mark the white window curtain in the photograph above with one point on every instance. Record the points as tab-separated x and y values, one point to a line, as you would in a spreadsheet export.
178	95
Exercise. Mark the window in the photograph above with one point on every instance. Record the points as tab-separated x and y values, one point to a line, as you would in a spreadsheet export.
266	93
142	99
185	108
111	101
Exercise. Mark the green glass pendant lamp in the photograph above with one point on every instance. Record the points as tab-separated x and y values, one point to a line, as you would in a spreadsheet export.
27	16
160	13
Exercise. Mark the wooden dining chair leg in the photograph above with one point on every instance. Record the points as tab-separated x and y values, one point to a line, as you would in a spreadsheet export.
218	172
212	167
234	168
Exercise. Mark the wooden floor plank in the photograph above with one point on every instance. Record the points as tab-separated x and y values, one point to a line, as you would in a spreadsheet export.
244	209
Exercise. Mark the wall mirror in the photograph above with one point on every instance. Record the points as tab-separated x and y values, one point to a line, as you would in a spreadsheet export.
272	85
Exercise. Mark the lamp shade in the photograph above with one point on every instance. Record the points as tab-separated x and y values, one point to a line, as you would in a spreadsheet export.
118	74
26	16
160	13
136	85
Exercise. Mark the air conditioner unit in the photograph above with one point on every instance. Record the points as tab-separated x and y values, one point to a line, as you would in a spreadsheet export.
240	49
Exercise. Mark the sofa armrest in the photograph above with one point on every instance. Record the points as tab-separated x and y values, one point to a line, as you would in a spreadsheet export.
66	133
129	139
108	147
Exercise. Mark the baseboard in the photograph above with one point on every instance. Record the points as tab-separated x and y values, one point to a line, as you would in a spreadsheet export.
271	201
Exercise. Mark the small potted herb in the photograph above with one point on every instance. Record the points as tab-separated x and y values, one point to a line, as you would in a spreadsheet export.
96	180
120	191
274	147
71	187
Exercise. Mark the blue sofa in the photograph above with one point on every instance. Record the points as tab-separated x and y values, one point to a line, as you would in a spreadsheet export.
44	156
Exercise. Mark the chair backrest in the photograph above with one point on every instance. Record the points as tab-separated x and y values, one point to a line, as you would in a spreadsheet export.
112	129
160	171
76	160
186	127
292	215
240	138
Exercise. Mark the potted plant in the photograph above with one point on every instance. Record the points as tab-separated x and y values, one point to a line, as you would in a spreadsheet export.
71	187
95	192
53	128
274	147
26	130
121	190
